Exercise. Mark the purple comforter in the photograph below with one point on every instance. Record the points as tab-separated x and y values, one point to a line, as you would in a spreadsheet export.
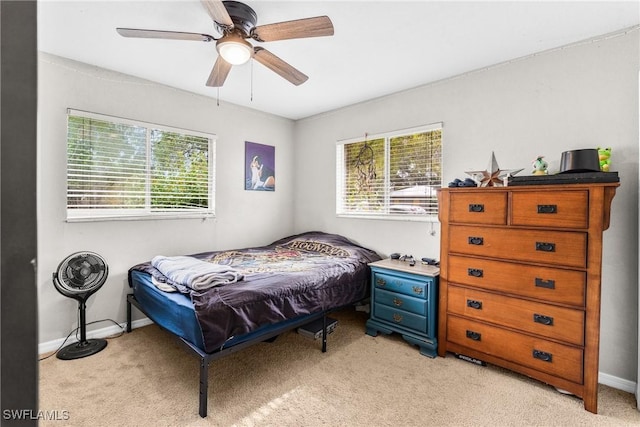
298	275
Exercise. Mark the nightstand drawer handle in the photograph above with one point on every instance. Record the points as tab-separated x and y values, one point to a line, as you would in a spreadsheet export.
549	284
475	272
547	209
476	207
397	302
545	247
380	282
476	305
545	320
417	290
542	355
476	241
397	317
476	336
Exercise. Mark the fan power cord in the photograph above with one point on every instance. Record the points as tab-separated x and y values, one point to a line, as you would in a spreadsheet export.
75	331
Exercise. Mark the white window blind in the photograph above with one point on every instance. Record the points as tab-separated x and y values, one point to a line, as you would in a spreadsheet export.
119	168
393	175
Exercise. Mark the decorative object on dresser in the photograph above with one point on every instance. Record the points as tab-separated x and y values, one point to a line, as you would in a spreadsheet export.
493	176
521	279
404	300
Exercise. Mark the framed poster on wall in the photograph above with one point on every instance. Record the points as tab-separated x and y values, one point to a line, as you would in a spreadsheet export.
260	168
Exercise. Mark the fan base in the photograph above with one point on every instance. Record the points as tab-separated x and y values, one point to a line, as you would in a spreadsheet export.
81	349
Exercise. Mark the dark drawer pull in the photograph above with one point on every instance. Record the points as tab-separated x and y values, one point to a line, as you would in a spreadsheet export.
542	319
477	305
549	284
476	336
545	247
547	209
475	272
478	241
542	355
476	207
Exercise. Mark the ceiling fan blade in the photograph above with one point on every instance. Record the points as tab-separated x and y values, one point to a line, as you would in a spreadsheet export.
300	28
156	34
219	73
278	66
217	12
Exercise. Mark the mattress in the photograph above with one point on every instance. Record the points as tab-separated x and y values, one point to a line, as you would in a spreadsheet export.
298	276
175	312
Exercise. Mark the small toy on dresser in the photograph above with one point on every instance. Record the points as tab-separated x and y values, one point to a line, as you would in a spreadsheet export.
604	158
540	166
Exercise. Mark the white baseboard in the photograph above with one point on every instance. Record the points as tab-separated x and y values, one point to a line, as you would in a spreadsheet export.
617	383
53	345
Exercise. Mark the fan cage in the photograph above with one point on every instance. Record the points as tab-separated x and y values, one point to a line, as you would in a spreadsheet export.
81	273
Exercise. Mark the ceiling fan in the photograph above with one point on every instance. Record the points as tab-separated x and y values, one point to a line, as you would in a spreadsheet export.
237	22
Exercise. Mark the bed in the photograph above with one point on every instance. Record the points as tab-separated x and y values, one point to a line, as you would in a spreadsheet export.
220	302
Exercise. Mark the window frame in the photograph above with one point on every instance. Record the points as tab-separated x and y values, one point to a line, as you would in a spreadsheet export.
146	213
387	136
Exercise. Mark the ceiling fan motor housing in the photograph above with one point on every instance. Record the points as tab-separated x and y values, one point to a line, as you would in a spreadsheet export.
244	18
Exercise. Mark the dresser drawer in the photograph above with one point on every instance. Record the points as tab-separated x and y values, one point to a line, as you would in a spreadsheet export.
401	301
550	247
401	318
408	286
543	283
562	209
559	323
478	208
546	356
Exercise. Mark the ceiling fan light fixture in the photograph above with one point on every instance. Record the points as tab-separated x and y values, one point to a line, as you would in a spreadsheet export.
234	49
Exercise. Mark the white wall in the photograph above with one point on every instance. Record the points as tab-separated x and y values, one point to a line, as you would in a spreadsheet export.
580	96
243	218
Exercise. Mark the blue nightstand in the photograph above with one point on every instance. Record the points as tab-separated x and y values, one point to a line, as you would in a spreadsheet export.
404	299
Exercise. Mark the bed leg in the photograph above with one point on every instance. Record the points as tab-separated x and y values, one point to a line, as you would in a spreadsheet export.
204	385
128	315
324	333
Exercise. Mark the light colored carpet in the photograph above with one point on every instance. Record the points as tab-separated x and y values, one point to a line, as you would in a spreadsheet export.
147	378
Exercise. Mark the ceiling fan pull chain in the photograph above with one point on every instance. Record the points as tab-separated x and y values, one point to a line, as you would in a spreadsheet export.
251	81
218	97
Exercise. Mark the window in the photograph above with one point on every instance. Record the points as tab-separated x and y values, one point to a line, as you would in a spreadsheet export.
394	175
118	168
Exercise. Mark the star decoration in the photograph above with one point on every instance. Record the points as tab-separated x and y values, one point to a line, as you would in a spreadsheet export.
493	176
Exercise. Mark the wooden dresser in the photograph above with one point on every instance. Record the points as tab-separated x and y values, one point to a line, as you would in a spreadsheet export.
520	271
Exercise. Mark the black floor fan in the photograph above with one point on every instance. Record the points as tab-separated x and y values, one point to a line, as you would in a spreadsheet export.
79	276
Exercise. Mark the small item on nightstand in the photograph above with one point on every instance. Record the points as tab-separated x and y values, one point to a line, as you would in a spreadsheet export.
430	261
394	255
409	259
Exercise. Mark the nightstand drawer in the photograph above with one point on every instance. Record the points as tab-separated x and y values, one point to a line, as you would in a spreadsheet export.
546	356
401	301
543	283
559	323
478	208
563	209
401	318
550	247
413	287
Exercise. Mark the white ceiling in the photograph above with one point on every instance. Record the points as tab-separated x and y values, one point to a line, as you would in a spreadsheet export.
379	47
